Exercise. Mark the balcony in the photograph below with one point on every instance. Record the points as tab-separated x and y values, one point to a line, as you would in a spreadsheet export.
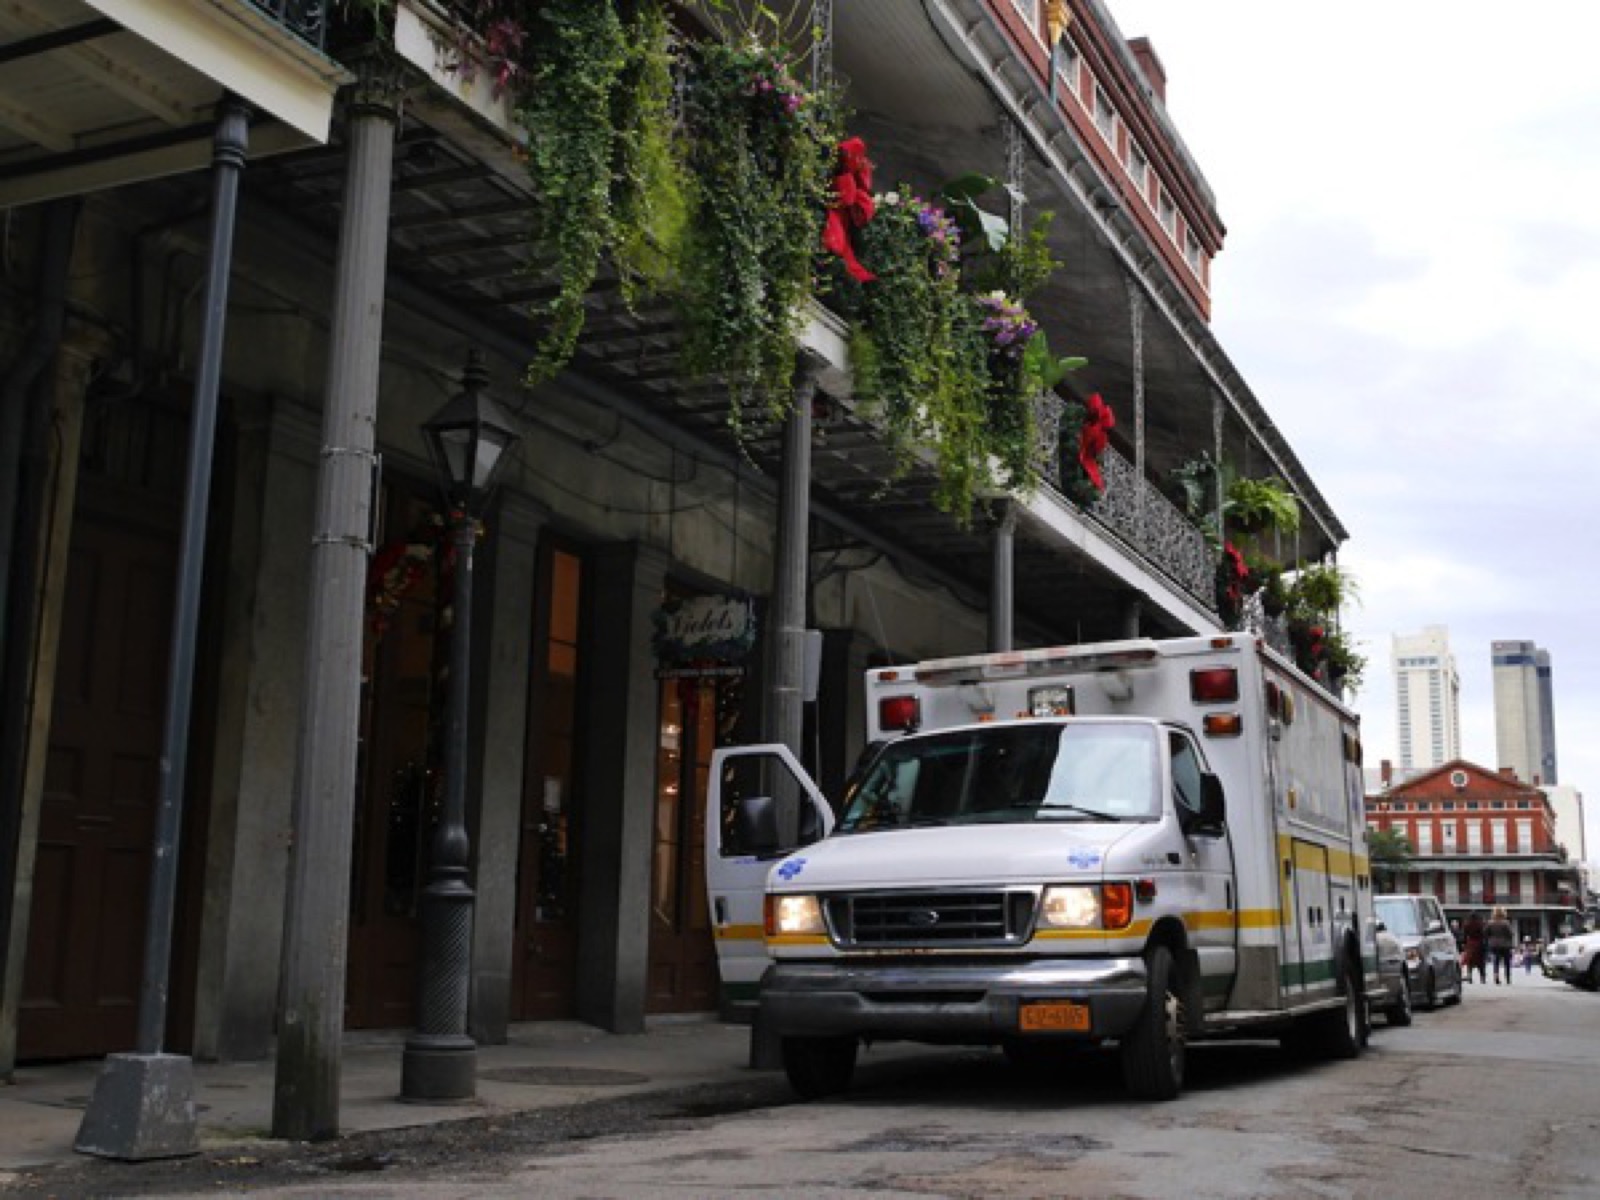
99	93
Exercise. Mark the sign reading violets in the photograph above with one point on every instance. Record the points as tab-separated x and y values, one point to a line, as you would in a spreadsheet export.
705	629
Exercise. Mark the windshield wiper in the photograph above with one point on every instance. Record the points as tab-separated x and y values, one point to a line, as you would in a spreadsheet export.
1049	812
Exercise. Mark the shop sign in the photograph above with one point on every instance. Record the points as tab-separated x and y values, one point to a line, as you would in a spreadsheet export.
706	632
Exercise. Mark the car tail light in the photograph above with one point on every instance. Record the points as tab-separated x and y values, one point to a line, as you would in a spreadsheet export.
1223	725
899	712
1214	685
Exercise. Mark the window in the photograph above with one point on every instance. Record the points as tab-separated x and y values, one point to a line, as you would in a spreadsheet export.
1186	772
1424	837
1498	833
1524	836
1192	252
1029	11
1138	166
1068	62
1474	837
1168	212
1105	117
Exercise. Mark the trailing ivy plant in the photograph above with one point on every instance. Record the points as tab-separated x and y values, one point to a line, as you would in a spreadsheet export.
943	370
592	93
759	158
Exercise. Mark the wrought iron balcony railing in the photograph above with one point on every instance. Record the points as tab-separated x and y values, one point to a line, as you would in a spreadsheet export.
306	19
1146	519
1134	510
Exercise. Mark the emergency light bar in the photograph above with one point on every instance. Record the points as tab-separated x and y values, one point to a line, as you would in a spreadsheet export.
1026	664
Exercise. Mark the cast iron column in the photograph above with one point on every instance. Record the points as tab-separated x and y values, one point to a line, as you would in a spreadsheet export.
305	1099
143	1104
1002	584
785	709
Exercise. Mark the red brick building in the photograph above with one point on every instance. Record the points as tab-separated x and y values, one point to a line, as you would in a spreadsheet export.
1481	838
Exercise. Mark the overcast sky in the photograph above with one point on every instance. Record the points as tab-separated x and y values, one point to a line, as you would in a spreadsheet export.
1410	284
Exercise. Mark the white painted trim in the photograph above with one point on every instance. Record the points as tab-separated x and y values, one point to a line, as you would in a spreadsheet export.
243	50
419	38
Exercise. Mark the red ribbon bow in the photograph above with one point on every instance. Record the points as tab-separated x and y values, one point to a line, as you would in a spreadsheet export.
1094	437
852	206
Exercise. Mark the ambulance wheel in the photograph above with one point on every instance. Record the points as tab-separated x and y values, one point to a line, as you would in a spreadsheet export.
817	1066
1153	1051
1342	1032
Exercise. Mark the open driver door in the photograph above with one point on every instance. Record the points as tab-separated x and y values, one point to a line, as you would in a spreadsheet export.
761	806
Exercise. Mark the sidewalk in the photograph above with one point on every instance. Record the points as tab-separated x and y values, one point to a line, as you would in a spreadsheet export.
545	1064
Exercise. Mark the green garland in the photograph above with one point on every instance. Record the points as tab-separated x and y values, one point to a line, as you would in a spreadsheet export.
940	367
592	96
759	155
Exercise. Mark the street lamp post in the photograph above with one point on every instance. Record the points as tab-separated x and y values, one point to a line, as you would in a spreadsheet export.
467	440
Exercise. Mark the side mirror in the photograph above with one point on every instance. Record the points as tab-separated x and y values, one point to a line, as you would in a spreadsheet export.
755	827
1435	926
1379	925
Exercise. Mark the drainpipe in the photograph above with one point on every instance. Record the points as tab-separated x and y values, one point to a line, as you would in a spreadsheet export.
24	483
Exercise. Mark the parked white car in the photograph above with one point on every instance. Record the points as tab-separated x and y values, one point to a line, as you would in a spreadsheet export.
1575	960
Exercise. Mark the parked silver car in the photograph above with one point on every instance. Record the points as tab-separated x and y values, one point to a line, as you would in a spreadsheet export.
1575	960
1396	1002
1433	962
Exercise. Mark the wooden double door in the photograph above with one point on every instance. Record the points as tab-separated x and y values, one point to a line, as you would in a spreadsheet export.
91	883
398	807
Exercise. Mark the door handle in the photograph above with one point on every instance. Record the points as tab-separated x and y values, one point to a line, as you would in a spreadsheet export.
719	906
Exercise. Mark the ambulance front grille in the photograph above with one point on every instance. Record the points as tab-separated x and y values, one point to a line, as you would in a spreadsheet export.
934	918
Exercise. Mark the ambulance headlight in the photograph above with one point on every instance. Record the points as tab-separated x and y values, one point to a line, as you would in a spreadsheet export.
794	916
1070	907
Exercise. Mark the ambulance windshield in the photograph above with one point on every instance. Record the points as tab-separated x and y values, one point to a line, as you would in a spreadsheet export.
1013	773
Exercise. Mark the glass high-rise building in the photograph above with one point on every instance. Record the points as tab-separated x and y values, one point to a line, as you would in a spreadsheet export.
1524	712
1427	693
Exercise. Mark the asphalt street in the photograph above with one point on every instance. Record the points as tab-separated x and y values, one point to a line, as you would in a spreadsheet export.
1492	1098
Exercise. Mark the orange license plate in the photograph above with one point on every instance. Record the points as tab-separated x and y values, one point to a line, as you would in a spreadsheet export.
1054	1018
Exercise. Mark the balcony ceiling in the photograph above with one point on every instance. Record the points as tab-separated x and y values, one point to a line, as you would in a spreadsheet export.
97	93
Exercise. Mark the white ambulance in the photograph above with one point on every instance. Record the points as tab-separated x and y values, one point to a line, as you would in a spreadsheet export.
1139	842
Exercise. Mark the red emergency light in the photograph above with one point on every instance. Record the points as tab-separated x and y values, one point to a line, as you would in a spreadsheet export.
1214	685
899	712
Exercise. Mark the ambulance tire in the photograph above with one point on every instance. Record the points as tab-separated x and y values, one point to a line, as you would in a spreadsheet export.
1153	1051
819	1066
1342	1032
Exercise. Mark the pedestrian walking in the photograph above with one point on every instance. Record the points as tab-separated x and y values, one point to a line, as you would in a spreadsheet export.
1530	955
1472	954
1499	936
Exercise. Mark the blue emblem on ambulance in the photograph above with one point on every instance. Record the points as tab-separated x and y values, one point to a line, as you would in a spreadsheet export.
1083	858
789	868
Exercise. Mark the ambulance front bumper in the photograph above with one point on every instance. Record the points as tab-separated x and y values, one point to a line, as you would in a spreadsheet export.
963	1004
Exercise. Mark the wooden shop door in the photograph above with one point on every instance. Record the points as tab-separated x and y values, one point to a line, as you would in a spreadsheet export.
544	974
694	712
398	776
82	977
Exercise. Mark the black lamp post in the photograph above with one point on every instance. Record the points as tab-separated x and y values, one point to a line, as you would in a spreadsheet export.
467	440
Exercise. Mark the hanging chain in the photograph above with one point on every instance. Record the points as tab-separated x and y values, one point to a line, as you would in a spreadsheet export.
1216	452
1016	164
821	44
1136	329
